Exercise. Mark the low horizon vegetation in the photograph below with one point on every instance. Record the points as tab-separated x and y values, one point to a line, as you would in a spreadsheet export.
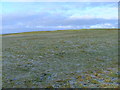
59	30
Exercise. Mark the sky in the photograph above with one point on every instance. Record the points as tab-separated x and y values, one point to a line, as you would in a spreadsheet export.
45	16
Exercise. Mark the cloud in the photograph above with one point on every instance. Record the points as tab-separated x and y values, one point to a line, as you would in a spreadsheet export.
60	0
81	17
97	12
54	16
105	25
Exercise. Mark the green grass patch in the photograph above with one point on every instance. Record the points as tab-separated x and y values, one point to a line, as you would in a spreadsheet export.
56	59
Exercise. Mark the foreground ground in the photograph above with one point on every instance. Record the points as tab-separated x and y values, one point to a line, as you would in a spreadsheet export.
70	59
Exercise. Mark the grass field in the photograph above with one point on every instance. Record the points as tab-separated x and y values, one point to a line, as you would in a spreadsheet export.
61	59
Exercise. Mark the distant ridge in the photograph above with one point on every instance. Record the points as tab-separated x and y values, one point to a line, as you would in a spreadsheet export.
32	32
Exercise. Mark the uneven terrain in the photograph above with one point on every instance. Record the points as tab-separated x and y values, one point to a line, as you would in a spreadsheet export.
60	59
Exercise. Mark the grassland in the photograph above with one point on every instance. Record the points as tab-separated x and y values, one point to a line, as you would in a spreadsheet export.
61	59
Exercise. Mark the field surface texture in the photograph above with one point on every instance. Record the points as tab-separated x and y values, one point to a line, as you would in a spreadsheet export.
60	59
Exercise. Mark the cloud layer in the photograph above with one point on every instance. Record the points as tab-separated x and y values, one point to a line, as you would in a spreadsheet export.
59	0
31	16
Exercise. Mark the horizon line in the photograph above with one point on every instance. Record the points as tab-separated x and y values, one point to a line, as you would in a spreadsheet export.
63	30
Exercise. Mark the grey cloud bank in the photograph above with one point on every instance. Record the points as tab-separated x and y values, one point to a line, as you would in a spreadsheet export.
58	16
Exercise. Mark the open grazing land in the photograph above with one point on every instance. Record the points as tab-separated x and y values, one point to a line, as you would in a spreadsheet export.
60	59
